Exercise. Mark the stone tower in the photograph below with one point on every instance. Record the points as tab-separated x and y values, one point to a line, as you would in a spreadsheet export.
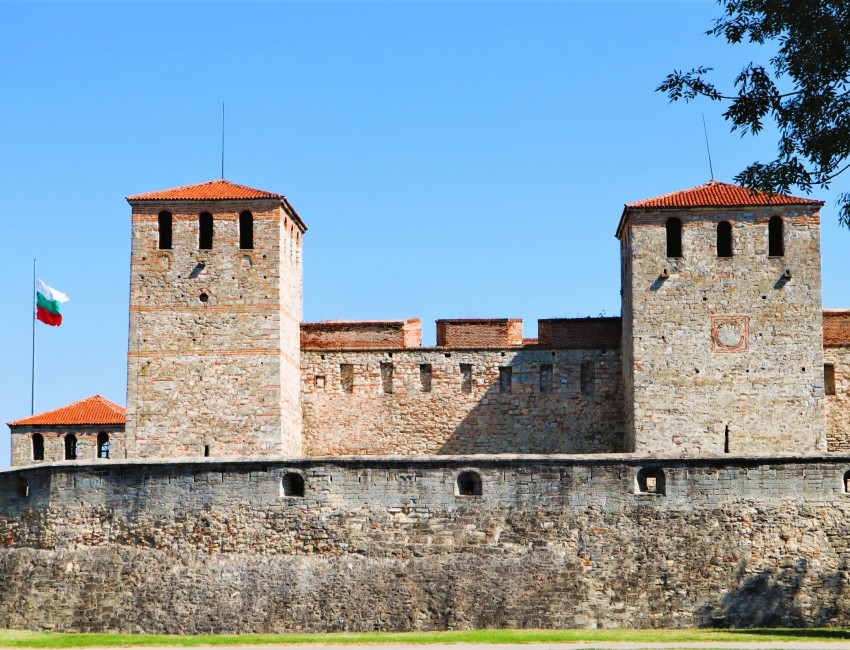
722	323
215	310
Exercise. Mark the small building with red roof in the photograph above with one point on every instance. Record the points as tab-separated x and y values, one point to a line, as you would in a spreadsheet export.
90	429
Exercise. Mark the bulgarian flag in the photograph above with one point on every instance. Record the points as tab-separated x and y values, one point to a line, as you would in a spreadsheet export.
47	303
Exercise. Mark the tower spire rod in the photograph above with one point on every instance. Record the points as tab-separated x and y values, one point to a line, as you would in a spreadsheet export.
707	148
222	140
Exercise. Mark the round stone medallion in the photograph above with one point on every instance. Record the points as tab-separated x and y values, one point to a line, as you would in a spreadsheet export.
730	335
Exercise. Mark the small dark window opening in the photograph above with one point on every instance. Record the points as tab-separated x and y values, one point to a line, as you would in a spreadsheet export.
206	451
546	377
22	488
387	378
466	378
425	373
293	485
588	377
165	220
37	446
724	239
674	237
829	378
506	374
847	482
205	231
103	445
246	230
469	484
346	377
651	480
70	447
775	237
726	440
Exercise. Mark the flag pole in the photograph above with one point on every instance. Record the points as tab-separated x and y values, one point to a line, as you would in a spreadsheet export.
34	311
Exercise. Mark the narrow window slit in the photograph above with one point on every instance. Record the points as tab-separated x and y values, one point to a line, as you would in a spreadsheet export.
205	231
505	379
466	378
546	372
425	372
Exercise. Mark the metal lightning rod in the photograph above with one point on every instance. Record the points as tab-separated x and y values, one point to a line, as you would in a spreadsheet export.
707	148
222	140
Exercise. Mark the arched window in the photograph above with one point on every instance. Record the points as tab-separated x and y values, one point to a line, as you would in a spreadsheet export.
70	447
292	485
847	482
775	237
724	239
103	445
674	237
469	484
205	231
164	221
37	446
650	480
246	230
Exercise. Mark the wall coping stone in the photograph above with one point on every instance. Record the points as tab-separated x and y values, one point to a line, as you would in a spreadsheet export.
473	460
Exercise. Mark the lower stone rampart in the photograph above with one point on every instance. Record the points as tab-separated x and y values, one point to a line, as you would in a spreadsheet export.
389	544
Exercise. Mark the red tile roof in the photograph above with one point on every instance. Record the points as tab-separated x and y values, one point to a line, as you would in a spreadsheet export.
213	190
714	193
94	410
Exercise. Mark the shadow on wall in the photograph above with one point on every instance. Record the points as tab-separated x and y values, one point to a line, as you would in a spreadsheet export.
773	599
539	403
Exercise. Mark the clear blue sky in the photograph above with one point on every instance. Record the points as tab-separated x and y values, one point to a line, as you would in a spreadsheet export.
450	159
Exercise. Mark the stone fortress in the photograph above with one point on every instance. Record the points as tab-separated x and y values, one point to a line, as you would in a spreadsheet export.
685	464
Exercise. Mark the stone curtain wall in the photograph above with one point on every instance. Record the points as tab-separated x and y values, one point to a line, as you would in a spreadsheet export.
388	544
214	334
54	442
838	405
690	379
441	401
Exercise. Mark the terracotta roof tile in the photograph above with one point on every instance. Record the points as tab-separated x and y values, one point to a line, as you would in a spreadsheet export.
213	190
93	410
715	193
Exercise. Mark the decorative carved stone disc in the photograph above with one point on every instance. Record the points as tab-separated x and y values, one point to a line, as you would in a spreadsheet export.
730	333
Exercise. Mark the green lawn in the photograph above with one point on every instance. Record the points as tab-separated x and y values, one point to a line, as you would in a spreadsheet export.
23	639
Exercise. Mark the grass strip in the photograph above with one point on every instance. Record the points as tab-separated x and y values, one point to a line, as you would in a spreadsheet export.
28	639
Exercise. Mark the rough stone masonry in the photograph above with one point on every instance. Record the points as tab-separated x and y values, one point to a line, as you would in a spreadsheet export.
393	544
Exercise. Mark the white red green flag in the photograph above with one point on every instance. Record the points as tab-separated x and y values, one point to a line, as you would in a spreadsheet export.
47	302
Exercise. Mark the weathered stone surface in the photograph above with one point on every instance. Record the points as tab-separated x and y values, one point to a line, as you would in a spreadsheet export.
723	352
54	442
428	410
387	544
214	333
838	405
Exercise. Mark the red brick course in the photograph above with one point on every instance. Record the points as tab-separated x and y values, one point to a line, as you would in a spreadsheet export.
479	332
362	335
580	333
836	327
